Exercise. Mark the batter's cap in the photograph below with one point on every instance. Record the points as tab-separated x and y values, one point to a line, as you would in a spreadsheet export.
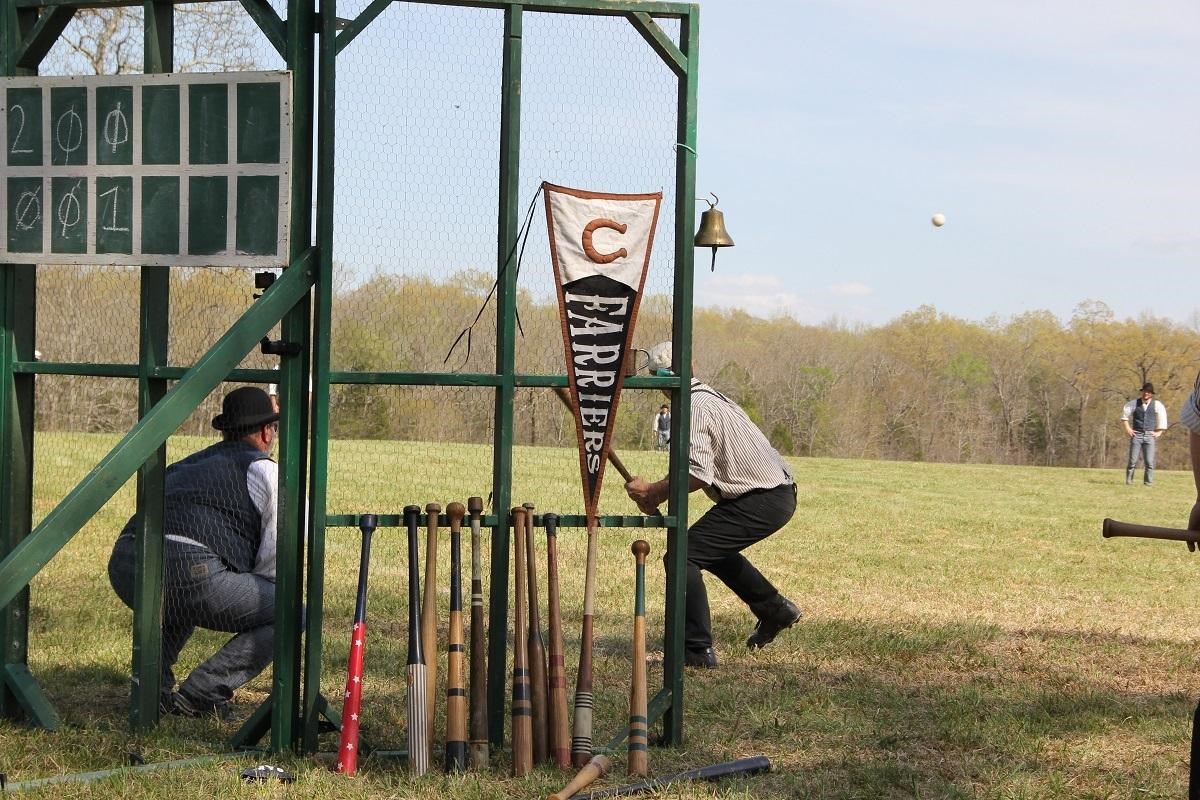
658	359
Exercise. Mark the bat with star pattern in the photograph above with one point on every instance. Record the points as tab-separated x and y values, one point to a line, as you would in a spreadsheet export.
347	758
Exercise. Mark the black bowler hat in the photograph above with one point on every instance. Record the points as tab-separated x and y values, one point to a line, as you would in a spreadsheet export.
245	408
1148	387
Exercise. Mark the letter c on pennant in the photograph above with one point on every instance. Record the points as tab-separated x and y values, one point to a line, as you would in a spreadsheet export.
591	252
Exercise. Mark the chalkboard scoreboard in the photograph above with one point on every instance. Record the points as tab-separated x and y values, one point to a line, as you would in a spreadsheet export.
177	169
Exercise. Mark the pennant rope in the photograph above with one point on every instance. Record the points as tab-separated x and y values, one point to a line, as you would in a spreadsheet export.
518	248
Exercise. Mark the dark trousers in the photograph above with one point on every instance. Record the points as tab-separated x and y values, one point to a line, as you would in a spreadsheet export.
716	542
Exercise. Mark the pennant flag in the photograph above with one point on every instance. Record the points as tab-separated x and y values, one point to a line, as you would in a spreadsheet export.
600	249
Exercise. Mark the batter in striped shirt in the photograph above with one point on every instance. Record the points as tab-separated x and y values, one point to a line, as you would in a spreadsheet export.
754	496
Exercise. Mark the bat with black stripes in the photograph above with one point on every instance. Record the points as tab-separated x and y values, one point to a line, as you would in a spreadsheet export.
522	712
478	727
639	717
581	728
456	693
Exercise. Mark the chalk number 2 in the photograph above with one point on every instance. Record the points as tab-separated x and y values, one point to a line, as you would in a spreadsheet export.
19	113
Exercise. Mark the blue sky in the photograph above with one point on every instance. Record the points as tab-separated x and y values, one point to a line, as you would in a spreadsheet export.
1060	139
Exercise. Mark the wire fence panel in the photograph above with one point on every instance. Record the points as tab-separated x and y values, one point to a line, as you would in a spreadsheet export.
415	264
89	315
416	207
596	113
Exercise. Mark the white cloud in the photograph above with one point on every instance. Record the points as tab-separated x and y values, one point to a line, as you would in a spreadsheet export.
768	296
851	289
1168	243
757	294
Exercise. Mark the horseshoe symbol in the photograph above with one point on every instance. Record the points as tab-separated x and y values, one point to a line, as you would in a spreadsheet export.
591	252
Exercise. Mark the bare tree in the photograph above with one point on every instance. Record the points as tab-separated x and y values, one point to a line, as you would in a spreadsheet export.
215	36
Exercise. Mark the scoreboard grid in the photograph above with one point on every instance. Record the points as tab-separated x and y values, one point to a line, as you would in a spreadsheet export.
176	169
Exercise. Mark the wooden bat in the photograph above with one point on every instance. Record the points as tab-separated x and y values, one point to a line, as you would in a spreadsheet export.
1114	527
522	712
456	693
429	633
597	767
537	650
581	732
417	705
639	717
479	715
742	766
557	723
347	760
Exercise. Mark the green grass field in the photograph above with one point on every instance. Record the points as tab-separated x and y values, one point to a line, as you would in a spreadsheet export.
967	634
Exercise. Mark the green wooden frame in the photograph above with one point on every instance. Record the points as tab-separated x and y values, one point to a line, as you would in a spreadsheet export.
301	300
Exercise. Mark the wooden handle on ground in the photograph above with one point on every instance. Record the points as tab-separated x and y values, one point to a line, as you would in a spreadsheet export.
596	768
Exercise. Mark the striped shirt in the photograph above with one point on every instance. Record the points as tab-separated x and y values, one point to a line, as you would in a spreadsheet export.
1189	415
728	452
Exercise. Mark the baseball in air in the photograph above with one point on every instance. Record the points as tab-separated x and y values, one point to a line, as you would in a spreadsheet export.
938	220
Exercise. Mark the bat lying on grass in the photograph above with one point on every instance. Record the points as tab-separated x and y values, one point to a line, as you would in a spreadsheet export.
743	766
1114	527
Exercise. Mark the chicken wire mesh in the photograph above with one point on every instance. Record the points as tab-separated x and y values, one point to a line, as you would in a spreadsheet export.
415	259
415	226
415	262
89	316
417	176
80	420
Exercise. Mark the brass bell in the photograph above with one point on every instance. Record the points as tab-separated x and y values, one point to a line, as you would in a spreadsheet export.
712	231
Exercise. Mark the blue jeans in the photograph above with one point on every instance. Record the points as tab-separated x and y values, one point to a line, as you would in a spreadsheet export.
715	543
200	591
1143	443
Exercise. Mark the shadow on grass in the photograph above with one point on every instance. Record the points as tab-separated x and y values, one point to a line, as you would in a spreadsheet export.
84	692
857	709
843	708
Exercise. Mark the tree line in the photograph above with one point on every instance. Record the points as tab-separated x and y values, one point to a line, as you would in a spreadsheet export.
927	386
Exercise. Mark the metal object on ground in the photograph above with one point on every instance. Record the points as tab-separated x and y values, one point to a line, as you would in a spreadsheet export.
265	772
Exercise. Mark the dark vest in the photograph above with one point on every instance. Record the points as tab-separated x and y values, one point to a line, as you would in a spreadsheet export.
1145	417
207	501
